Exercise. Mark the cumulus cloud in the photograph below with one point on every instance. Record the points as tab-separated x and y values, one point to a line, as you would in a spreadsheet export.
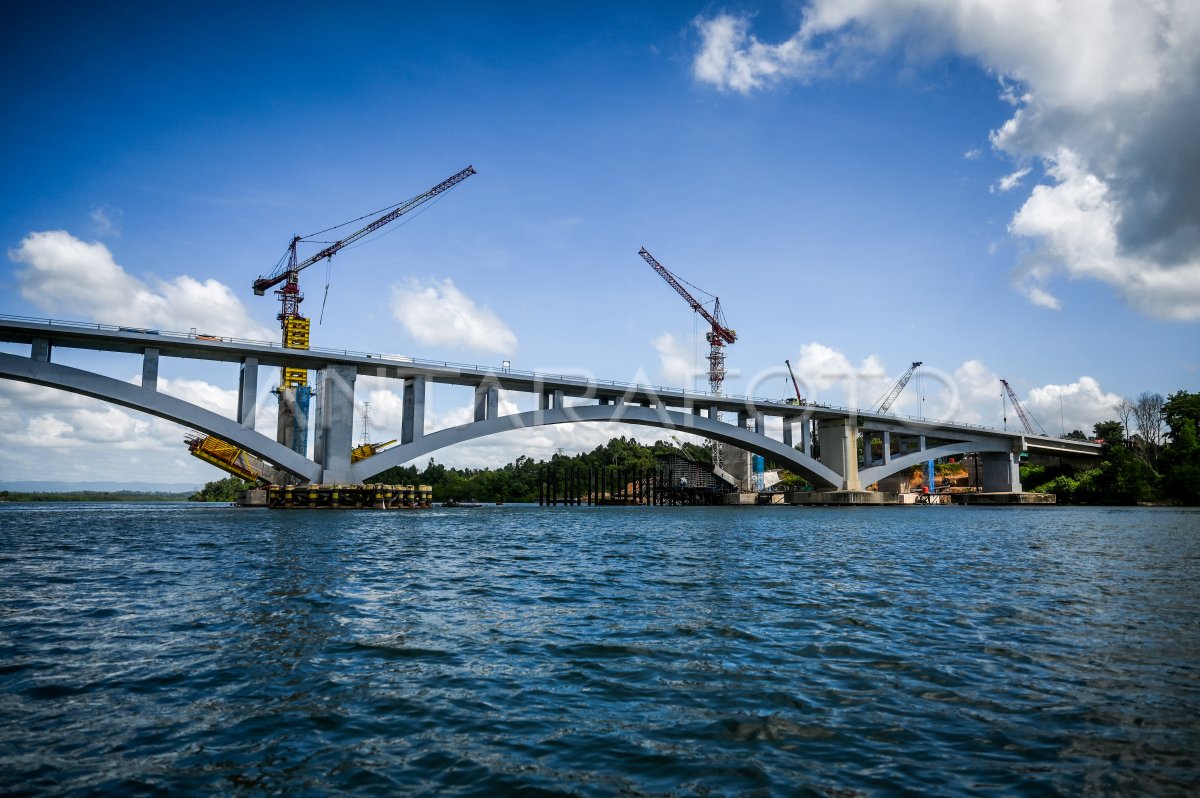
69	277
675	363
731	58
1075	406
827	375
437	312
1105	98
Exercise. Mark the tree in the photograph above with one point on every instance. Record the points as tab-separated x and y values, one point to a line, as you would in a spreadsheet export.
1180	409
1111	432
1180	460
222	490
1149	415
1125	412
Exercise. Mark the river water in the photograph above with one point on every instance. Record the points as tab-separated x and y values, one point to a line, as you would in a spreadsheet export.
161	649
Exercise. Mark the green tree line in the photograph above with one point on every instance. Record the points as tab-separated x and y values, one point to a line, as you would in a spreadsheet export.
1151	454
91	496
519	481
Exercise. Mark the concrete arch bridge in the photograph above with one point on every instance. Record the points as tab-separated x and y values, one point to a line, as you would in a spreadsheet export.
840	465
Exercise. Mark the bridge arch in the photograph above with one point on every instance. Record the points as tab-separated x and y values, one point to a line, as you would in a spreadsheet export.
875	473
147	400
663	418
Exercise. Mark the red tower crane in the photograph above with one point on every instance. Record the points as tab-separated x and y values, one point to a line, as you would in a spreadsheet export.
294	392
717	337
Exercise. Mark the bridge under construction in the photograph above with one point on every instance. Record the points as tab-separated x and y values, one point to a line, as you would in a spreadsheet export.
841	464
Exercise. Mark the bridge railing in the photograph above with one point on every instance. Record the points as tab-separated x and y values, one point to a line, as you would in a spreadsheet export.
584	382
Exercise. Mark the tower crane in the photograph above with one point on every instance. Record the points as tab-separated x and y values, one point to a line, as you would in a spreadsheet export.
1021	414
898	387
717	337
294	391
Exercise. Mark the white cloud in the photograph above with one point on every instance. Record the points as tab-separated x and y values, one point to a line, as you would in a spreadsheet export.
69	277
1076	406
1011	181
437	312
107	221
826	375
675	364
1105	97
731	58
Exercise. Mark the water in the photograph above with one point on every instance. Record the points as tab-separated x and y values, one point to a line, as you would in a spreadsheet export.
612	651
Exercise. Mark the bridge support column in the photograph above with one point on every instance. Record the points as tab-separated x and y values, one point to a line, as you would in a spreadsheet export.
412	422
247	392
787	432
150	369
839	450
41	350
1001	472
887	447
487	401
335	426
806	437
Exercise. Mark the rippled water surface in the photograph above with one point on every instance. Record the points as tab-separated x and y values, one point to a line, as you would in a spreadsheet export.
634	651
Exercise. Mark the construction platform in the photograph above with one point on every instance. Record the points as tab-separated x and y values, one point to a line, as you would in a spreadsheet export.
844	498
1004	498
339	497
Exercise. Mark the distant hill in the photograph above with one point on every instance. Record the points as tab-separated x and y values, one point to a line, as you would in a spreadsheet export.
106	487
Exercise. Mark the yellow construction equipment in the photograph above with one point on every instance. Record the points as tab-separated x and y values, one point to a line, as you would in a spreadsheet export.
229	458
367	450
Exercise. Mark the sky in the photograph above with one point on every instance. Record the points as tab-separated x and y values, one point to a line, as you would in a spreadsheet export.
995	188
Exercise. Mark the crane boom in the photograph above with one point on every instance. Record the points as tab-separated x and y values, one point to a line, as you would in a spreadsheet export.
291	266
898	387
796	385
718	328
1020	410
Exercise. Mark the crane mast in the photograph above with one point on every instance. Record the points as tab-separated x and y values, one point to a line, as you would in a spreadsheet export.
294	391
898	387
1020	410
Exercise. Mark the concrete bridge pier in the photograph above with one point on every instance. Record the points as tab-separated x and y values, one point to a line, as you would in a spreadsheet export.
247	392
150	369
1001	472
839	450
487	401
412	420
335	424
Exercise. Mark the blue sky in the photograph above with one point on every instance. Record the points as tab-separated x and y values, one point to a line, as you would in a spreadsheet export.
835	172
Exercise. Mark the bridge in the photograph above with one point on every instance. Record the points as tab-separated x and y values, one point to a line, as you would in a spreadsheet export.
561	399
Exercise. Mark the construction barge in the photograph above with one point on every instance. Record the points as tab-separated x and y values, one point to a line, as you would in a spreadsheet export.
338	497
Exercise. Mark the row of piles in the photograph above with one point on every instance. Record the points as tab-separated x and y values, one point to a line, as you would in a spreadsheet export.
374	496
580	485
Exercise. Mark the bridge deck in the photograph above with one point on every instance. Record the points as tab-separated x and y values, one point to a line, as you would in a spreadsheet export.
76	335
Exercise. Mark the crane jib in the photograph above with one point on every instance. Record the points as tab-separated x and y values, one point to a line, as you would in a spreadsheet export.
263	283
